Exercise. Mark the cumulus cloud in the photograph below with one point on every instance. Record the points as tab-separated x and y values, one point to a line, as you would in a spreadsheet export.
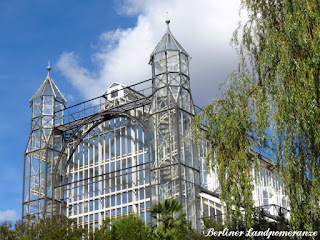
8	215
203	27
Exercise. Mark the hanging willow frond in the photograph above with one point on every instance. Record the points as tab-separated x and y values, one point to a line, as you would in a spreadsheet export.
275	89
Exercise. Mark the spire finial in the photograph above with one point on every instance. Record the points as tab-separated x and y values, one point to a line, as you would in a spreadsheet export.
168	22
48	68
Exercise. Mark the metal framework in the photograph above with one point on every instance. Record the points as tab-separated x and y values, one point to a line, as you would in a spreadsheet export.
175	169
43	150
119	152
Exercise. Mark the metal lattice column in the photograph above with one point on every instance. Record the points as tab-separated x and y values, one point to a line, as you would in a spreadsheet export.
174	164
42	150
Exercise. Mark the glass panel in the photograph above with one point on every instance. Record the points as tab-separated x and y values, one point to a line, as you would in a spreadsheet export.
160	81
48	90
184	63
26	189
160	63
174	79
171	44
173	61
36	107
162	45
47	121
36	123
175	92
205	209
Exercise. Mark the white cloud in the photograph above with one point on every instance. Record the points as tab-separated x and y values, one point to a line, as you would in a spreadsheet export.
203	27
8	215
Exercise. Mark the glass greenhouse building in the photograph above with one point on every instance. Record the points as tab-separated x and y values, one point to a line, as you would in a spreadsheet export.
122	151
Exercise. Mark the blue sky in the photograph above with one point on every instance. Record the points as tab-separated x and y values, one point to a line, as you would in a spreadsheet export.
90	45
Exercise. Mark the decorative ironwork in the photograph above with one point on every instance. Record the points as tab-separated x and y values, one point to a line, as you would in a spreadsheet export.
118	152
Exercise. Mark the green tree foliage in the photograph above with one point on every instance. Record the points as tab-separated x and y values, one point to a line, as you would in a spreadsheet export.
171	225
56	227
6	231
275	89
125	227
168	223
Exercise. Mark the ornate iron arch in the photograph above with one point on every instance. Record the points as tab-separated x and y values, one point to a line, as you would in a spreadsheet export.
78	135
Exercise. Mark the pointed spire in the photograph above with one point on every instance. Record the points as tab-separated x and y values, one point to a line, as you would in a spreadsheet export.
48	88
168	43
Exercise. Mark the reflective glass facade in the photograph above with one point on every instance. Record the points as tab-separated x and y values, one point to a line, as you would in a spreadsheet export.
109	174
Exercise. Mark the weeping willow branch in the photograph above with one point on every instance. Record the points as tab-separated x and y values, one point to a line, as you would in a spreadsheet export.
275	90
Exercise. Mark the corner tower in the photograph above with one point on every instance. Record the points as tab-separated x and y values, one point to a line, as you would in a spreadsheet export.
42	150
174	163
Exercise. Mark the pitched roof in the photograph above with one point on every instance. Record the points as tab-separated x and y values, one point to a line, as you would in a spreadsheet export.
48	88
168	42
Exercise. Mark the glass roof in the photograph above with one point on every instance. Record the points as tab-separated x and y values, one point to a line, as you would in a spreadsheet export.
48	88
168	42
